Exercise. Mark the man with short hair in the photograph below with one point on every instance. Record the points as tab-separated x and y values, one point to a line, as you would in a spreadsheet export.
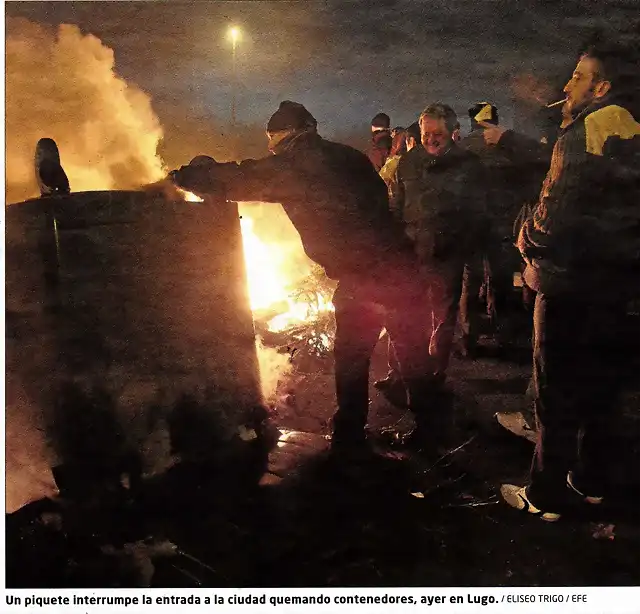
339	206
582	249
381	140
441	198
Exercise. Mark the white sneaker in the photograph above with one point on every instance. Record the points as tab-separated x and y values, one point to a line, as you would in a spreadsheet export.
516	497
517	424
587	498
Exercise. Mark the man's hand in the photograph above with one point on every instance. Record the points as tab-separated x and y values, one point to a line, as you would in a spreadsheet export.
492	134
197	176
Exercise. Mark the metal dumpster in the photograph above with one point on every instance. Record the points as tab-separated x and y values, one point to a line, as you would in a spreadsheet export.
129	334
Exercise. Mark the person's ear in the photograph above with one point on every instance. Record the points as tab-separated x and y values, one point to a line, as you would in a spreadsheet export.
602	88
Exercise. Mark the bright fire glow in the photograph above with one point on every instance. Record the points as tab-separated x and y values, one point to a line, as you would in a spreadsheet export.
191	197
267	285
271	282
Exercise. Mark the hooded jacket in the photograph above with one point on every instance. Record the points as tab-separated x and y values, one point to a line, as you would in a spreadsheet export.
442	201
334	198
585	227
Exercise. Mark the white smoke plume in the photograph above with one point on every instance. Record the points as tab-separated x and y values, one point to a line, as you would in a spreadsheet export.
63	85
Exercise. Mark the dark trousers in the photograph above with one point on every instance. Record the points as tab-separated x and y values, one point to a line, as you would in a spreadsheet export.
445	289
361	314
502	262
439	313
579	368
470	304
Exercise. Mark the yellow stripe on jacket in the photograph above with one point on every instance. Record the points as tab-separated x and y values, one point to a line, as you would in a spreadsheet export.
610	121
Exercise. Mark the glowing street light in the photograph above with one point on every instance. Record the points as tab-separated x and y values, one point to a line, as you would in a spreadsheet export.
234	35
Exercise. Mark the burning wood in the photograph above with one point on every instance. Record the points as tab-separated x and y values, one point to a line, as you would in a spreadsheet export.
291	312
308	327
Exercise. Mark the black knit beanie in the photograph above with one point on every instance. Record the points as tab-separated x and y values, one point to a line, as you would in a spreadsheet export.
291	116
381	120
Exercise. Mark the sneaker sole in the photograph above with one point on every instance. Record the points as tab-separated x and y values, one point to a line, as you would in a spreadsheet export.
546	516
524	505
588	499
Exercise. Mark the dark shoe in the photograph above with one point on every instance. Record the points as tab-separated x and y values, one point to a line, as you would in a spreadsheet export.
420	440
351	448
394	391
592	499
391	380
516	497
466	352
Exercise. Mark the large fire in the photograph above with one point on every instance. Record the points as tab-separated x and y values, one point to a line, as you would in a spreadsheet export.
272	281
272	277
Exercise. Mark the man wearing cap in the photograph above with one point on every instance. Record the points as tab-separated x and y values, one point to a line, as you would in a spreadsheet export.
381	140
506	193
339	205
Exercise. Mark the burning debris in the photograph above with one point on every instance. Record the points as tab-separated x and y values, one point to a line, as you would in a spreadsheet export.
307	329
290	298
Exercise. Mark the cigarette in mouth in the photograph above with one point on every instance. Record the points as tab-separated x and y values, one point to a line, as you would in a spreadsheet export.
556	104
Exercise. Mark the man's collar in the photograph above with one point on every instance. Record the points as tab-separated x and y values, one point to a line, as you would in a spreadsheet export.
292	139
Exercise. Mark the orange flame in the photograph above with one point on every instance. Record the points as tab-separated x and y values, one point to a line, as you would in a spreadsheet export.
271	282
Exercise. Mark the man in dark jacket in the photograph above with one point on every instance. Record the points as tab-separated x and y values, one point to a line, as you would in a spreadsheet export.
509	183
381	140
339	205
582	249
441	198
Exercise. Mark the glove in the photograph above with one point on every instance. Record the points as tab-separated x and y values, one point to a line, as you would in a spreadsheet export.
197	176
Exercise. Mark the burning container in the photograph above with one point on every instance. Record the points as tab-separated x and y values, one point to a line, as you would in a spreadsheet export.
129	332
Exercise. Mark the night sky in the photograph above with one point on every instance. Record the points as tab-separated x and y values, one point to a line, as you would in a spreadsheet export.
344	60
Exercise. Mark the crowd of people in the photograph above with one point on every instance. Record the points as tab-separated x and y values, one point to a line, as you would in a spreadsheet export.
413	230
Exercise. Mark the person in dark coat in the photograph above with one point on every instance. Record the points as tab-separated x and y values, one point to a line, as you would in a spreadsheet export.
381	140
339	205
441	198
509	185
50	175
582	248
391	386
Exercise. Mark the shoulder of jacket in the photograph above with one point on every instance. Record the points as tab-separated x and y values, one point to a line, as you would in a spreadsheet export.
473	140
605	123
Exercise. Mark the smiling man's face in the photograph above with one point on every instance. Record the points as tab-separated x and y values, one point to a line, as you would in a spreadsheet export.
436	138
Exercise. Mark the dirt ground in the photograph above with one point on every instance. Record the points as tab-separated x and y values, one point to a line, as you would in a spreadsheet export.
387	521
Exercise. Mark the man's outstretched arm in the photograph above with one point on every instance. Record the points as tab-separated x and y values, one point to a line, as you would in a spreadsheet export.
267	180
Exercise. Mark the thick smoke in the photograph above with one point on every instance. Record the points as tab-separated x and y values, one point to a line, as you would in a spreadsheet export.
63	85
